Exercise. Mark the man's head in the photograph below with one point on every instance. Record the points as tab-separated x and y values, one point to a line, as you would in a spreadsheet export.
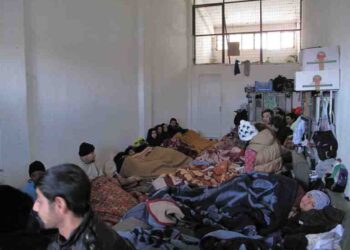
173	122
87	152
36	170
290	118
63	190
314	199
14	210
277	122
266	116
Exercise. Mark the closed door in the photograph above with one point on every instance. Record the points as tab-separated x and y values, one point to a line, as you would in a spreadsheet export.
209	106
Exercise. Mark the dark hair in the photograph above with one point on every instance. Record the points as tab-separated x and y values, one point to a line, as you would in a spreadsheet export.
85	149
280	112
292	115
159	126
36	166
128	149
173	119
69	182
260	126
15	209
241	114
267	111
278	122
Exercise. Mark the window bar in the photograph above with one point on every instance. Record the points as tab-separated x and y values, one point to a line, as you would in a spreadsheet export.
261	37
194	33
223	33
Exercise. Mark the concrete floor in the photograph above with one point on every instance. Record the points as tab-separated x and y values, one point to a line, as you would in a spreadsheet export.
301	170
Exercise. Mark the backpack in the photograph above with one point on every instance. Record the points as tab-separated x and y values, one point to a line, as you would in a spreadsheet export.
282	84
342	177
326	144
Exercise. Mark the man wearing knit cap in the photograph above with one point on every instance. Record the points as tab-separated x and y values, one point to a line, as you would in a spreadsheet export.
314	199
36	170
88	157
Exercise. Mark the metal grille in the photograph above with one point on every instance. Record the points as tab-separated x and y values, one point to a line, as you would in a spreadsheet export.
267	30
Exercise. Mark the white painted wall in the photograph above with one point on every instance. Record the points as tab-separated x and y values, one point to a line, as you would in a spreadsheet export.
233	86
82	64
166	60
14	144
326	23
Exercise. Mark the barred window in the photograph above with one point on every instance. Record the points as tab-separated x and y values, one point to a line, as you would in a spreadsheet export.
259	31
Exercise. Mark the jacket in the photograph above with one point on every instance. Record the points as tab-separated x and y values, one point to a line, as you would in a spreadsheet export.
92	234
268	158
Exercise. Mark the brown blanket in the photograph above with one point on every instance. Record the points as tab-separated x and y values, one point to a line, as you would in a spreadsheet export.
195	140
154	162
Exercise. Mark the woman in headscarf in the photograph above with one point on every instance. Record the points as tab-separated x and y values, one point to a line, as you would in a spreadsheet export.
152	138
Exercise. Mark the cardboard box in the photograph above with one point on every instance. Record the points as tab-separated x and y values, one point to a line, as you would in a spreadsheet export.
326	58
317	80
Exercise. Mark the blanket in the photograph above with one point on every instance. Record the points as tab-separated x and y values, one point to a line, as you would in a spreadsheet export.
203	175
243	210
108	200
153	162
196	142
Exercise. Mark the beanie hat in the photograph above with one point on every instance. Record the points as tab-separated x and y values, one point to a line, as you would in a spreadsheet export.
321	199
246	131
85	149
36	166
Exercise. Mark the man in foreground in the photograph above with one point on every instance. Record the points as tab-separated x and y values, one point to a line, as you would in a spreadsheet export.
64	202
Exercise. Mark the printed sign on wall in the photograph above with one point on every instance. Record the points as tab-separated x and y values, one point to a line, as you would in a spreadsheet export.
317	80
326	58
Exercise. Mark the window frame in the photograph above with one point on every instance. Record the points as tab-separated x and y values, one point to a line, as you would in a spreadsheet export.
224	34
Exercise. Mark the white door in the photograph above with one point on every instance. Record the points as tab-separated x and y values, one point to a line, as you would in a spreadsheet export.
209	106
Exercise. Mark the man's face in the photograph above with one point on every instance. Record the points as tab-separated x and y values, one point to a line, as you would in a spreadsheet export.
46	210
89	158
266	118
307	203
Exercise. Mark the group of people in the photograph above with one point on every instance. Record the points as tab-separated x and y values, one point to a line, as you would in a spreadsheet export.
60	196
158	134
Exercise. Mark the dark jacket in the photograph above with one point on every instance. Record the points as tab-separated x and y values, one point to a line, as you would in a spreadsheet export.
310	222
91	234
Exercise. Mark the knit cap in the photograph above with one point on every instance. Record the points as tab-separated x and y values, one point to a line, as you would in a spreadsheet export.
36	166
85	149
321	199
246	131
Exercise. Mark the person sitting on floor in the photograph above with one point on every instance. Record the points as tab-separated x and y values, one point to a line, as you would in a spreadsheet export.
263	152
175	128
290	119
266	116
36	170
160	135
64	202
280	128
88	158
165	131
152	138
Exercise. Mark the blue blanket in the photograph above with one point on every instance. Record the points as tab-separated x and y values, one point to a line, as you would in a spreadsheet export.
252	205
